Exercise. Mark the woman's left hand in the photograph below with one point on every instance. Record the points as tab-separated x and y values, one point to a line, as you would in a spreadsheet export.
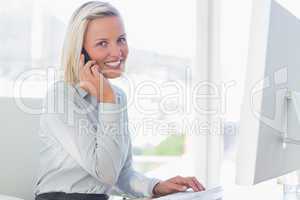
177	184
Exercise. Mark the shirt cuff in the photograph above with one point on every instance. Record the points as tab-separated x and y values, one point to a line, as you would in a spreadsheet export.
153	182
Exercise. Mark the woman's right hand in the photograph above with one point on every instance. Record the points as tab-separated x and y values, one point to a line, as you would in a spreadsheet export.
93	81
177	184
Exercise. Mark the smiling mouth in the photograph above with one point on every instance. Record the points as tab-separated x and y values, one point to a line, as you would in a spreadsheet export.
114	64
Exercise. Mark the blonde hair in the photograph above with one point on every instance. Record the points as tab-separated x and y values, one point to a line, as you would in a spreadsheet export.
73	43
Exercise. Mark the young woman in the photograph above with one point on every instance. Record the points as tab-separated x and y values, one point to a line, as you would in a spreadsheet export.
87	150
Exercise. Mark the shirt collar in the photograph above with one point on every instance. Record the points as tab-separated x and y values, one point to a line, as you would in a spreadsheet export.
84	94
81	91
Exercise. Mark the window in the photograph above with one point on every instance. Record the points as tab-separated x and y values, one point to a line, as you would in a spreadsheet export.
161	41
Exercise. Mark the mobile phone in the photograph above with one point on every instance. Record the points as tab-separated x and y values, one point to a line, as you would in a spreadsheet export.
86	55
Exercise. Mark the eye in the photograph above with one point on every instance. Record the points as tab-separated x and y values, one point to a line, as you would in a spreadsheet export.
102	44
122	40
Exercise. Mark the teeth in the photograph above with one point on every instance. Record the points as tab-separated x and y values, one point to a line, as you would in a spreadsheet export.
113	64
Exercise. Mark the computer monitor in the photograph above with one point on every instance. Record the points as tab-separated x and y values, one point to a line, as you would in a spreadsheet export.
269	134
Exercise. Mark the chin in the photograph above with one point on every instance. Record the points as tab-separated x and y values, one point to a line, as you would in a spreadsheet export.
112	75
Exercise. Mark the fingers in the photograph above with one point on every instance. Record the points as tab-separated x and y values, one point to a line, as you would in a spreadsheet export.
173	187
199	185
89	64
95	70
193	185
85	73
81	61
191	182
178	184
86	68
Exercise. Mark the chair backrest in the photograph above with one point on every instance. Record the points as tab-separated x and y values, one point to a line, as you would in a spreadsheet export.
19	146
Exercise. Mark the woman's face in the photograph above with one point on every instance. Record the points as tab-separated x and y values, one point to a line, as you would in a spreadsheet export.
105	42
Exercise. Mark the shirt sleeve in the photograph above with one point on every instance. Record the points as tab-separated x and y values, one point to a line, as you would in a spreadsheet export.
134	183
130	181
96	146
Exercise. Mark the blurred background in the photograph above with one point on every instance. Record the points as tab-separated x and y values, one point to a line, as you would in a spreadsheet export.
162	44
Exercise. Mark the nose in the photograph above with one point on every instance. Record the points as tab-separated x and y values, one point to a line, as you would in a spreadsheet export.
115	51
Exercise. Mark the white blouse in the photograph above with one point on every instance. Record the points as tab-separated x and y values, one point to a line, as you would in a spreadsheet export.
86	145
